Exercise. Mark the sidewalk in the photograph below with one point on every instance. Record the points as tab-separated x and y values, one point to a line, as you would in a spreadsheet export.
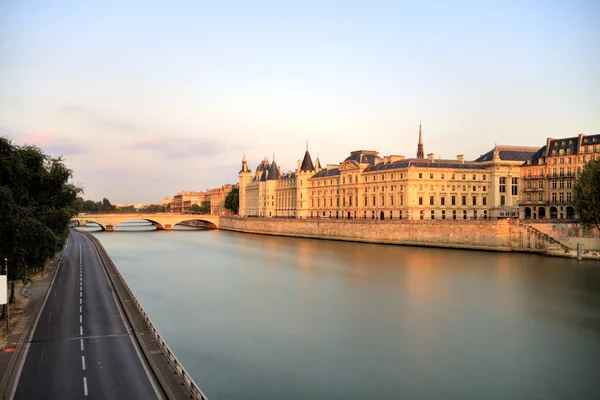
19	335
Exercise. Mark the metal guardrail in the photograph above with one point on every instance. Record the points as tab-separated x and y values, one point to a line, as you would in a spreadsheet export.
185	377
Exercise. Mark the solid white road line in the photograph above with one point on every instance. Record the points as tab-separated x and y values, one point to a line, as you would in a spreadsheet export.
83	363
26	349
85	392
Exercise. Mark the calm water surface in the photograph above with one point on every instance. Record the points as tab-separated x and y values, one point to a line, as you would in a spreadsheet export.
259	317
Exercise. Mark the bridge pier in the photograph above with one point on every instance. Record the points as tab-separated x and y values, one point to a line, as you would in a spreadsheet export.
109	228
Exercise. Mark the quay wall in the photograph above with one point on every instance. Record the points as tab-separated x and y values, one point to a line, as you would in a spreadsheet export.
494	235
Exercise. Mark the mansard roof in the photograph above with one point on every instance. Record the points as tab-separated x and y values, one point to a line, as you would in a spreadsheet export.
509	153
307	164
327	173
424	163
536	156
261	170
363	156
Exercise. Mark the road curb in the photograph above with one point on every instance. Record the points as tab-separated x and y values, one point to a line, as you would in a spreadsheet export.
35	307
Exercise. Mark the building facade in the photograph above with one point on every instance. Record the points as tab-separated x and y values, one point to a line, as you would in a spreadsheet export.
182	201
504	165
368	186
550	176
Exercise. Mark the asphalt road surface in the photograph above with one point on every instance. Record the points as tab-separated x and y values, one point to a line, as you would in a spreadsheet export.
81	347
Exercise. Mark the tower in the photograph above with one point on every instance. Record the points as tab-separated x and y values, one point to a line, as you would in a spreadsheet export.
420	152
245	176
306	169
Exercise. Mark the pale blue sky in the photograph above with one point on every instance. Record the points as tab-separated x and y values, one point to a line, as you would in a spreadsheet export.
147	98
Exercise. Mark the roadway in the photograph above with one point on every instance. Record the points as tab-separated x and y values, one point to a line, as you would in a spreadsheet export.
82	347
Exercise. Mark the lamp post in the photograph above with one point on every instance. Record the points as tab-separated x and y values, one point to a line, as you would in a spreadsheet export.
7	305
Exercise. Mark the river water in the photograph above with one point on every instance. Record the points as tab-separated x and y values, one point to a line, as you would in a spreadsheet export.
260	317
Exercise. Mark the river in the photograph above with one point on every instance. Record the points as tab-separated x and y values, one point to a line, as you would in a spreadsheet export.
262	317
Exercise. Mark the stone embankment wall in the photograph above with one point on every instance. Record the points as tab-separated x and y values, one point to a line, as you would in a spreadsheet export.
571	234
494	235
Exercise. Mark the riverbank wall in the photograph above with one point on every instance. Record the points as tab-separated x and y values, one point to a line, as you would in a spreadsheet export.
492	235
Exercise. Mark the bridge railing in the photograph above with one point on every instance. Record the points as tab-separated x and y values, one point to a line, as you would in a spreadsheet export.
185	377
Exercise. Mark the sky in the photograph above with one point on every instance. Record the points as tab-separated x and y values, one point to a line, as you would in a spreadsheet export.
144	99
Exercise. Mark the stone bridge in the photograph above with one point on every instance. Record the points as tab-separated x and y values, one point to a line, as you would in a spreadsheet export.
160	220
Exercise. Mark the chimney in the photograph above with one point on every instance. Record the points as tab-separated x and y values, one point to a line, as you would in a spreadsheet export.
461	158
430	157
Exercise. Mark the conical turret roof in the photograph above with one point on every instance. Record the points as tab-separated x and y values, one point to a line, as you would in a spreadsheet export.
273	172
307	164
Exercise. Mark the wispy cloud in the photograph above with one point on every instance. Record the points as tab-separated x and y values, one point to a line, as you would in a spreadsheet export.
50	142
99	118
173	147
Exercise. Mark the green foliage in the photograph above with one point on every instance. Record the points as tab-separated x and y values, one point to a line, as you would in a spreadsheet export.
203	209
232	201
127	209
37	203
90	207
587	194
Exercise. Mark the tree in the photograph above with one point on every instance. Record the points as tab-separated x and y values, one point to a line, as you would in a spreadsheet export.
89	206
587	194
232	201
37	203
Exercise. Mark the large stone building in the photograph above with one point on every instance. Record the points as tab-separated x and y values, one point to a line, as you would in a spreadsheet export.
550	176
368	186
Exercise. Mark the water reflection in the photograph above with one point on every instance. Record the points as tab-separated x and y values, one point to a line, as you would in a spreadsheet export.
267	317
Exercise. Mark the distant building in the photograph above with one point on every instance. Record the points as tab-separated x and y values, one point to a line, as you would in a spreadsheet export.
550	176
183	201
166	201
217	196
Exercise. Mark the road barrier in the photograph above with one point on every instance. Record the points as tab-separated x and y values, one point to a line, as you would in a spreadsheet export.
186	379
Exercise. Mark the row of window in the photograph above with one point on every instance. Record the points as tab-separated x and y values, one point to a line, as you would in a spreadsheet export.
351	178
561	196
398	214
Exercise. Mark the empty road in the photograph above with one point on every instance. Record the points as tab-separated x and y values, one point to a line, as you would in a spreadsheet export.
82	347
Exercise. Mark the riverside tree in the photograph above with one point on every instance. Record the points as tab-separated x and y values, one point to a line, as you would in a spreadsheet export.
37	203
587	194
232	201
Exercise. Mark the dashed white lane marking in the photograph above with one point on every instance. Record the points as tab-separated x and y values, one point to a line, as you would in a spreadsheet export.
79	301
80	294
81	343
80	330
83	363
85	392
80	318
80	309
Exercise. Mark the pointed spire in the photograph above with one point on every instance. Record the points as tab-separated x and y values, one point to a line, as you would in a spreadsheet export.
420	152
244	159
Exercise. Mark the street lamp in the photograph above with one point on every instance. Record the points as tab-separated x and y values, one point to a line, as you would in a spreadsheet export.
7	305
